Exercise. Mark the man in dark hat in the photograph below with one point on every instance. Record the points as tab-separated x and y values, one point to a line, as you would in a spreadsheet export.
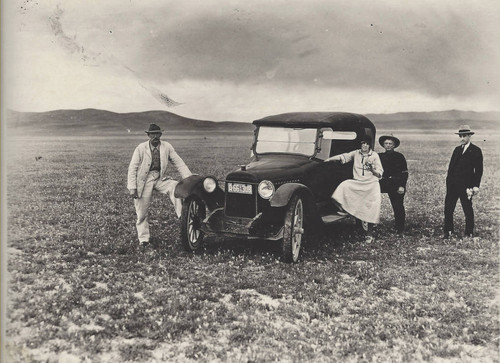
463	180
147	172
394	179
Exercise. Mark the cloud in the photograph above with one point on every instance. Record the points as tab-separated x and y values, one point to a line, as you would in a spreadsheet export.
227	58
430	49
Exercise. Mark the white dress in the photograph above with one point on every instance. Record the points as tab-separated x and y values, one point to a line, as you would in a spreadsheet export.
360	197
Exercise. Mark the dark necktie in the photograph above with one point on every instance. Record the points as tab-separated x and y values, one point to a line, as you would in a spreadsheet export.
155	164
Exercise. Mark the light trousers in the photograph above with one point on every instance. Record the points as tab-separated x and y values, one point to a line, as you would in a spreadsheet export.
142	204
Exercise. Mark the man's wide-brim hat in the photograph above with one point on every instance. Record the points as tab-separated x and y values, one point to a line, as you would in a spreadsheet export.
154	129
394	139
464	130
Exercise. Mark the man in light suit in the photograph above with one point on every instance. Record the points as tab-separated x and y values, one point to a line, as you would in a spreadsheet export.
147	172
463	180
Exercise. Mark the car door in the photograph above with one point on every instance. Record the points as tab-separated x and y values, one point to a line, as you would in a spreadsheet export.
324	177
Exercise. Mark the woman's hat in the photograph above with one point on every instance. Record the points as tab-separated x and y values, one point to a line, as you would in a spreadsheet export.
382	139
367	139
464	130
153	129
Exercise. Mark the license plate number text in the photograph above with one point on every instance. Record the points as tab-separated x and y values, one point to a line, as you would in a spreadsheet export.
239	188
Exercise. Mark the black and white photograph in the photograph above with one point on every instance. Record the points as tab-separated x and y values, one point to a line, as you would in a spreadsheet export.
250	181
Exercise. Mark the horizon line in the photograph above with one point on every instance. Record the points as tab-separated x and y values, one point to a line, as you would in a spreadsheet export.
157	110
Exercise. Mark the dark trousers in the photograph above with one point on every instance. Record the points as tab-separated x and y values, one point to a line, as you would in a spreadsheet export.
399	210
453	192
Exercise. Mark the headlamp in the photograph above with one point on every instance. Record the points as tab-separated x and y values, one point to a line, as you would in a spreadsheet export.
209	184
266	189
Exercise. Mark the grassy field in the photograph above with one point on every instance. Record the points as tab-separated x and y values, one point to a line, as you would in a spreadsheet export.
81	290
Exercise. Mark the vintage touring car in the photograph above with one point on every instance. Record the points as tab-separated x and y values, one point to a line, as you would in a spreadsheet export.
284	190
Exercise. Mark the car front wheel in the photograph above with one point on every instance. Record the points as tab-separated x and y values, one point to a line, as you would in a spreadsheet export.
193	213
293	229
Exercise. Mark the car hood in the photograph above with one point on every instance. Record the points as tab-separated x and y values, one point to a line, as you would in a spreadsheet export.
274	168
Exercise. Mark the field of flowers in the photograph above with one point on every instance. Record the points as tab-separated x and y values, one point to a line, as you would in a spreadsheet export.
81	290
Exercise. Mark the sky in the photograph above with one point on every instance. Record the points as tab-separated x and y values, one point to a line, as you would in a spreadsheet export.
242	60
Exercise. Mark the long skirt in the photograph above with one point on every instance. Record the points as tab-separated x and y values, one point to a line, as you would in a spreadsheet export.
360	198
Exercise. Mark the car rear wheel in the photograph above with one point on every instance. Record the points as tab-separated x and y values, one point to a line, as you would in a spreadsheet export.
293	230
193	213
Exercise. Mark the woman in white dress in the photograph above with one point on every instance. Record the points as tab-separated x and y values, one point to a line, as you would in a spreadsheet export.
360	197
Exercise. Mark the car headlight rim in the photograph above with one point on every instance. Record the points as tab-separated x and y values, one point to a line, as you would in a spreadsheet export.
209	184
266	189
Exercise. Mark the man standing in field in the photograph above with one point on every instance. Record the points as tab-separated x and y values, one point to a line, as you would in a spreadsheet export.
394	179
463	180
147	171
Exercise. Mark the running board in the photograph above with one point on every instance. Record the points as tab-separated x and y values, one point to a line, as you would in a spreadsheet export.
331	218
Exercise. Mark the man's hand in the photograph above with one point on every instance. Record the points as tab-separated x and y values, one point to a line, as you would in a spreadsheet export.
401	190
475	190
133	193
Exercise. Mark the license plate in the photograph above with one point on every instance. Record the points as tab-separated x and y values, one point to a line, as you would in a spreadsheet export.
239	188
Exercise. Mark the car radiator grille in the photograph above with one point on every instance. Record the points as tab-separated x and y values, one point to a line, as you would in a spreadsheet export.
241	205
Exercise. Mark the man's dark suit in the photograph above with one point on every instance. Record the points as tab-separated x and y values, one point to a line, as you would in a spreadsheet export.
395	176
465	171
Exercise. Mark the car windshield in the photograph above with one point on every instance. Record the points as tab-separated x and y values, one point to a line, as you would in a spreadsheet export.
286	140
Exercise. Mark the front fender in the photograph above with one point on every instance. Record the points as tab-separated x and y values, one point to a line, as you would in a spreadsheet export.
194	185
285	192
187	185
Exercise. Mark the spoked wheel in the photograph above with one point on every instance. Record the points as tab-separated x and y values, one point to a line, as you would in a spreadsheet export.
293	229
193	213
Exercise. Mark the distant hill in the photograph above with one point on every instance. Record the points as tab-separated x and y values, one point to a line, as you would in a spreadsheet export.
93	122
437	120
452	115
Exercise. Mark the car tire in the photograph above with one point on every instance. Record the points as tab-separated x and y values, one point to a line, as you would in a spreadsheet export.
293	231
193	213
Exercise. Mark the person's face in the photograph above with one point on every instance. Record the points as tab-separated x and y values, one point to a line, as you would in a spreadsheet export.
464	139
388	145
365	147
154	137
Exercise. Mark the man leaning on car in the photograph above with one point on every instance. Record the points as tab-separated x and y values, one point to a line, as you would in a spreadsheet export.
147	172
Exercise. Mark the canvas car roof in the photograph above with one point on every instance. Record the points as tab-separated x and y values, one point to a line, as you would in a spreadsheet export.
336	120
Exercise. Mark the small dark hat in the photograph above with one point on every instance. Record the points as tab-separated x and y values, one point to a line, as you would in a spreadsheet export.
367	139
464	130
154	129
382	139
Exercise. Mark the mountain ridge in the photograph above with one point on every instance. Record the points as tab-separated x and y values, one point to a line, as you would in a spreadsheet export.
438	115
92	121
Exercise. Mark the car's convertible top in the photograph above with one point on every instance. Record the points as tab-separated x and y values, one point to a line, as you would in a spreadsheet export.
335	120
